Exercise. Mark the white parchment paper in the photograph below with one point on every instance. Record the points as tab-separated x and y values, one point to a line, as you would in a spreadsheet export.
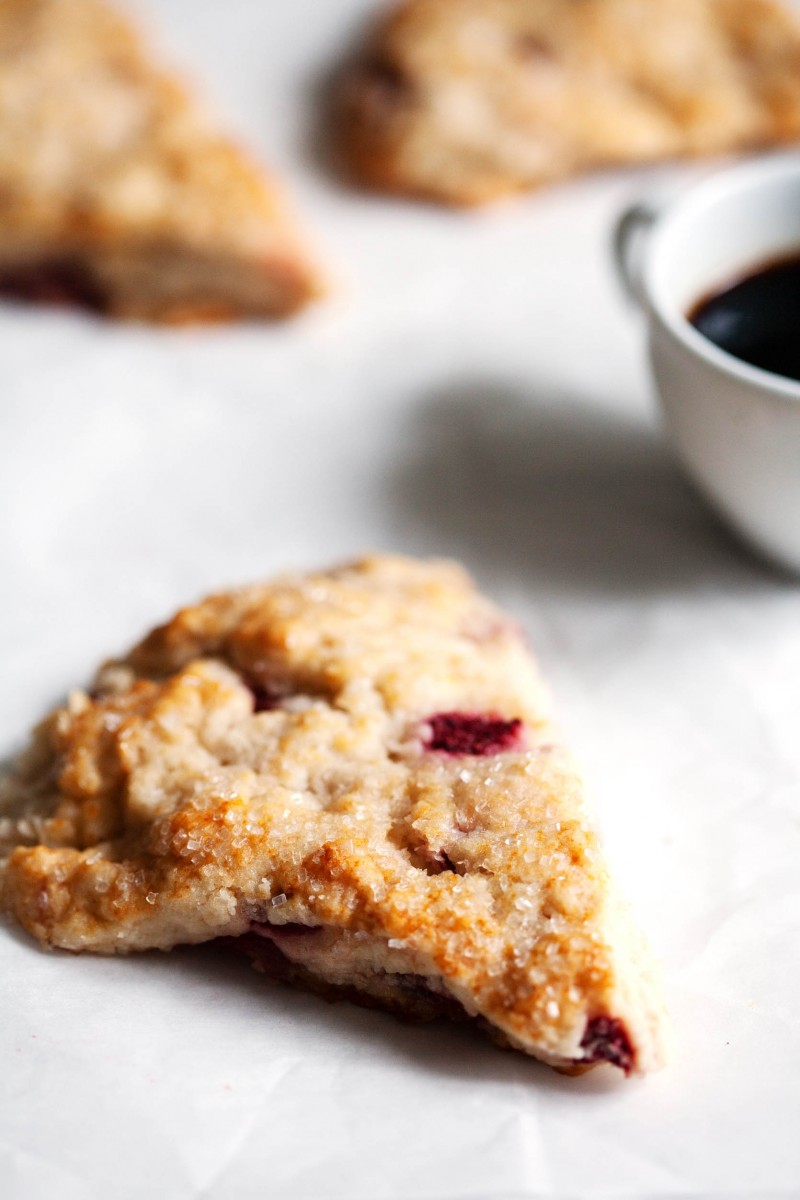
475	387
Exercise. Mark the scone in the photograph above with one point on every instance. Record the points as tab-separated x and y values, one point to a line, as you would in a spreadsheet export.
116	190
353	777
466	100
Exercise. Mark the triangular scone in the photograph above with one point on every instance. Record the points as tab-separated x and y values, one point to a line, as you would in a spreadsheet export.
465	100
115	188
354	773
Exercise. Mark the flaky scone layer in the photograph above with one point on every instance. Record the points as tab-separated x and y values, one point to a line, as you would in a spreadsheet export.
465	100
117	190
356	769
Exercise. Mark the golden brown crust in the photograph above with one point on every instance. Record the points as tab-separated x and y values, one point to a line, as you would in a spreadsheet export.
164	809
116	189
467	100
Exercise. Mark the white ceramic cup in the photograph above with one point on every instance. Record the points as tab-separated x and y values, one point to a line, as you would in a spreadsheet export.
736	427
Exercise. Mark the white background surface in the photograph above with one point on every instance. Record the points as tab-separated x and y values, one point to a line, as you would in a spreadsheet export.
475	387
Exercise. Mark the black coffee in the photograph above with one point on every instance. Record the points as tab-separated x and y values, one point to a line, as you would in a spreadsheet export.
758	318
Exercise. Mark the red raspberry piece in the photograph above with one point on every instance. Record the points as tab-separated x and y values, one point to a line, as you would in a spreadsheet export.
53	282
606	1040
264	699
472	733
276	932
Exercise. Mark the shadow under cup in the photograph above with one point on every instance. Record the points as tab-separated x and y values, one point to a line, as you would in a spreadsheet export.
736	427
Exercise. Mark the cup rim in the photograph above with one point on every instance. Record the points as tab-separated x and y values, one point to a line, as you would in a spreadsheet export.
693	201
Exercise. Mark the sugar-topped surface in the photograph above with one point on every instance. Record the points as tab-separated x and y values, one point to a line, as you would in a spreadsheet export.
269	757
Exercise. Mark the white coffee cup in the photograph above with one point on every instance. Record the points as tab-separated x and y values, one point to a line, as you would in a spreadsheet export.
736	427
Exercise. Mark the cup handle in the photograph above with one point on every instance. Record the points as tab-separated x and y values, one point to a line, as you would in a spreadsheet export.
629	232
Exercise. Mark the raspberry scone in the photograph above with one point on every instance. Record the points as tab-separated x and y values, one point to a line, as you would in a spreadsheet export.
116	190
352	777
465	100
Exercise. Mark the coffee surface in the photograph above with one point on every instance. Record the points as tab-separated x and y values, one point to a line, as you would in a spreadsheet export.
757	319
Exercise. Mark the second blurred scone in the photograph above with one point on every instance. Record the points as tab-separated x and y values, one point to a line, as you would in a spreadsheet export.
117	191
465	100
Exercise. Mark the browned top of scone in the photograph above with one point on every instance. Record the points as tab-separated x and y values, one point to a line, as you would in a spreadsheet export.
368	749
464	100
101	149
